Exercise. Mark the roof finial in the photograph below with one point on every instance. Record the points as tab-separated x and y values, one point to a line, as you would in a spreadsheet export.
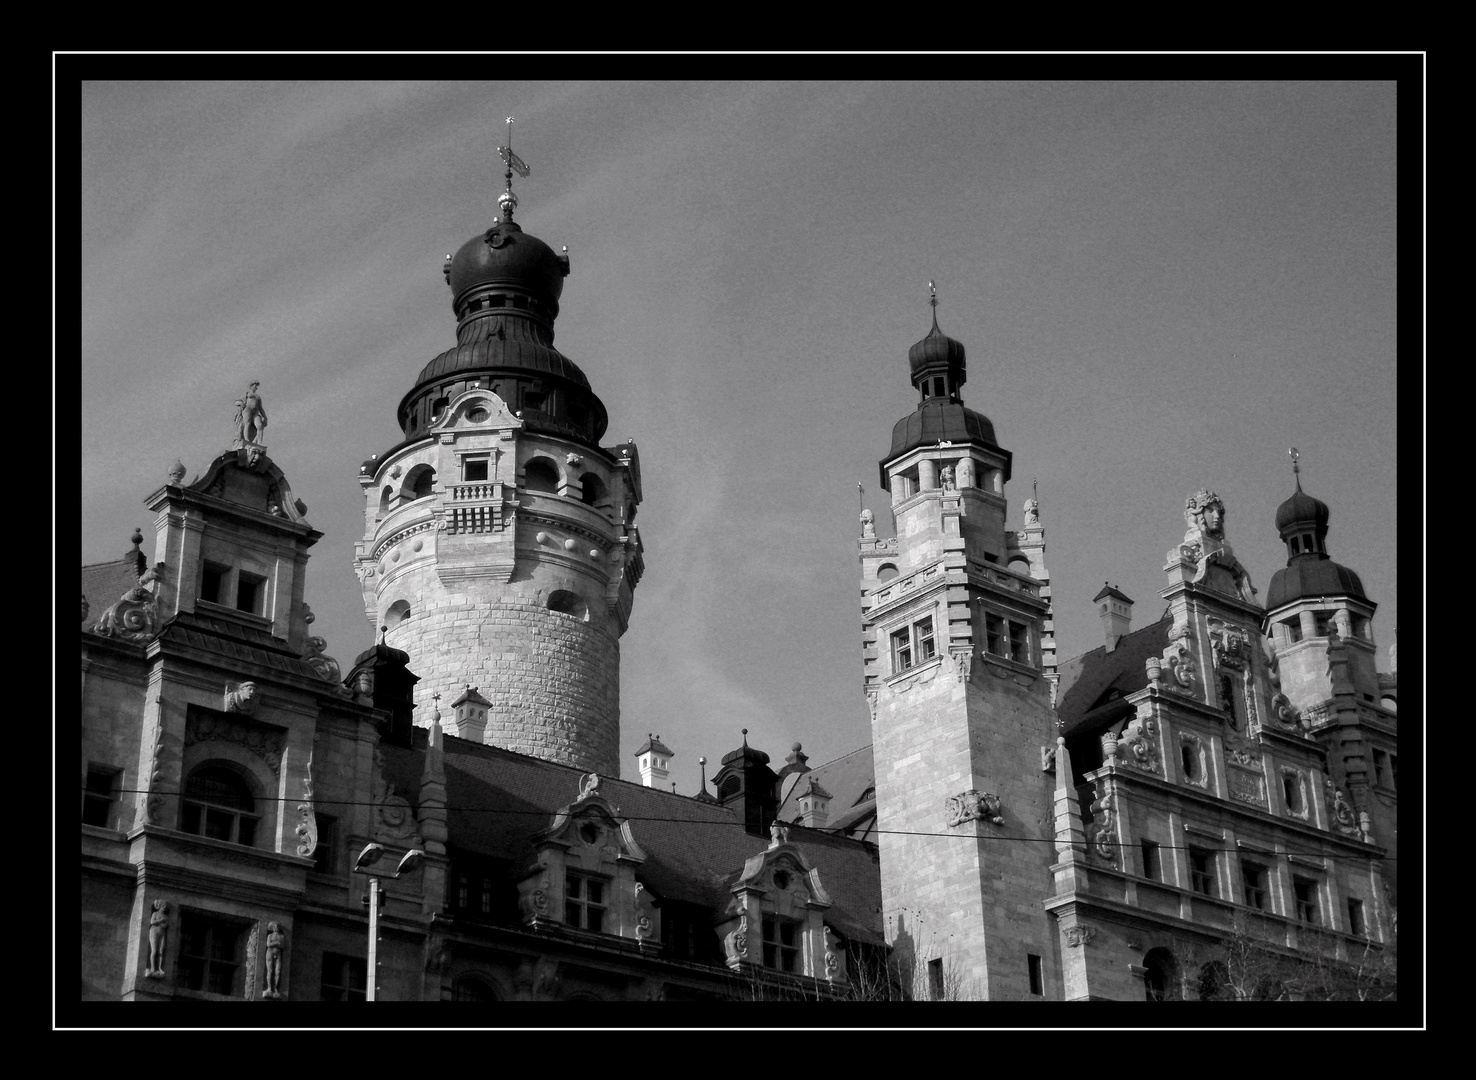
383	630
933	300
745	738
507	200
1296	468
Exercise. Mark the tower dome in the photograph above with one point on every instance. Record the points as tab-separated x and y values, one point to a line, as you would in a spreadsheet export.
506	260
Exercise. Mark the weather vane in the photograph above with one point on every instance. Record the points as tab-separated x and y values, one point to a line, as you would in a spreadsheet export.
1296	455
507	200
932	294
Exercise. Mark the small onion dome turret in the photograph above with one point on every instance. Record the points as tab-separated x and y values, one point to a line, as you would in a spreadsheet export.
937	354
1309	571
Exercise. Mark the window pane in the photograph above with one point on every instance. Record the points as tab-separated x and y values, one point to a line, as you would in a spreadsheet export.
596	918
596	892
218	824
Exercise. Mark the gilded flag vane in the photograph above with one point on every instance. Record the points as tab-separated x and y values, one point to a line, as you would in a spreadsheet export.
507	200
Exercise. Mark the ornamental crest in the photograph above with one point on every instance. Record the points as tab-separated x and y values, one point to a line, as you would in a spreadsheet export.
1230	644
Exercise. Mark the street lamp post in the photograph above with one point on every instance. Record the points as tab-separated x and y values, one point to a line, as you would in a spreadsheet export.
371	854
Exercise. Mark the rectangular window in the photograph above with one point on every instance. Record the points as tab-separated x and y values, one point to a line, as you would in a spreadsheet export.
1037	975
922	636
994	634
1355	918
1293	629
101	793
345	978
584	903
1305	890
1254	877
212	583
901	651
781	945
1186	759
209	954
1152	866
250	593
476	470
323	860
1202	872
1291	790
1019	643
935	978
1386	769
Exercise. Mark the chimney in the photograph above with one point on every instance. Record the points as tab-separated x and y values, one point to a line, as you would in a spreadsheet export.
1116	611
814	804
652	759
469	715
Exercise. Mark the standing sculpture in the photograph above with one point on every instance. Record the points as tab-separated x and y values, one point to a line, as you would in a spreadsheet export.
251	417
158	939
275	941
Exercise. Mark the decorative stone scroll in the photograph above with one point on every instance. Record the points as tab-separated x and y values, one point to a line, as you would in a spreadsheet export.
735	944
1103	839
973	805
265	743
307	819
1140	738
134	616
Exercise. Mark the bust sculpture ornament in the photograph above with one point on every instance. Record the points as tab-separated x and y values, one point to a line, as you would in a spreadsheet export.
1204	542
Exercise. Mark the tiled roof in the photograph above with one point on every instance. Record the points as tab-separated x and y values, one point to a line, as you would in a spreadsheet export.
1085	679
847	778
104	584
498	800
235	641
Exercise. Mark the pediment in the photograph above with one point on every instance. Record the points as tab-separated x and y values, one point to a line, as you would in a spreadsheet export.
252	480
476	409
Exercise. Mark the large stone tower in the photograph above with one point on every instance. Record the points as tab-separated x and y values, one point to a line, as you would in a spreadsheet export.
957	651
500	547
1320	625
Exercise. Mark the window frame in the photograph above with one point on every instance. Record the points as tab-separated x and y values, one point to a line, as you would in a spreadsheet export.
780	954
578	900
1254	877
1357	924
197	804
1204	875
910	642
203	966
1152	860
343	988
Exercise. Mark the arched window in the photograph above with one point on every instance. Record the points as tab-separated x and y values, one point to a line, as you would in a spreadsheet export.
218	803
1160	975
386	500
419	482
542	475
594	489
885	572
471	988
438	407
397	613
569	603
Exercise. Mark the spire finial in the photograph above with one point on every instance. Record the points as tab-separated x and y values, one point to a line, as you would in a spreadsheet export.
745	738
1296	455
507	200
933	302
383	630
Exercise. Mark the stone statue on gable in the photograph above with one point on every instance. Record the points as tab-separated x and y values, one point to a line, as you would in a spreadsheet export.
1205	543
251	418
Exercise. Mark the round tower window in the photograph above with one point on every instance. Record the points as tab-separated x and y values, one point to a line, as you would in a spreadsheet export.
477	415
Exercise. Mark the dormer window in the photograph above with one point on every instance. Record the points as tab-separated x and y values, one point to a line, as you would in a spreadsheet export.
584	903
781	944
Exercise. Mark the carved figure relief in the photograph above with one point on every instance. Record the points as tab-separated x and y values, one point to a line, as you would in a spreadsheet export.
1077	936
1032	513
326	667
158	939
134	615
868	525
973	805
264	743
1180	664
1339	812
735	944
241	697
832	961
945	478
276	941
589	784
1230	645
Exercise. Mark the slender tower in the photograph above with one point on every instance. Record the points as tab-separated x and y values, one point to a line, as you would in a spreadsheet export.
500	546
954	628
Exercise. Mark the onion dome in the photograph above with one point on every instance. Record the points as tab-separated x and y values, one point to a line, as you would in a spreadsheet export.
505	286
936	365
1310	571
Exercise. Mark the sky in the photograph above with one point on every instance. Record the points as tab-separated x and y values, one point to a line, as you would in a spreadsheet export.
1161	286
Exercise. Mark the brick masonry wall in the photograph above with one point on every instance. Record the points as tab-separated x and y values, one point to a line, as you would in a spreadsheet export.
963	893
552	678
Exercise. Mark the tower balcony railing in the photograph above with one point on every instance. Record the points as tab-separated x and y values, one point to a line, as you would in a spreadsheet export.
479	492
